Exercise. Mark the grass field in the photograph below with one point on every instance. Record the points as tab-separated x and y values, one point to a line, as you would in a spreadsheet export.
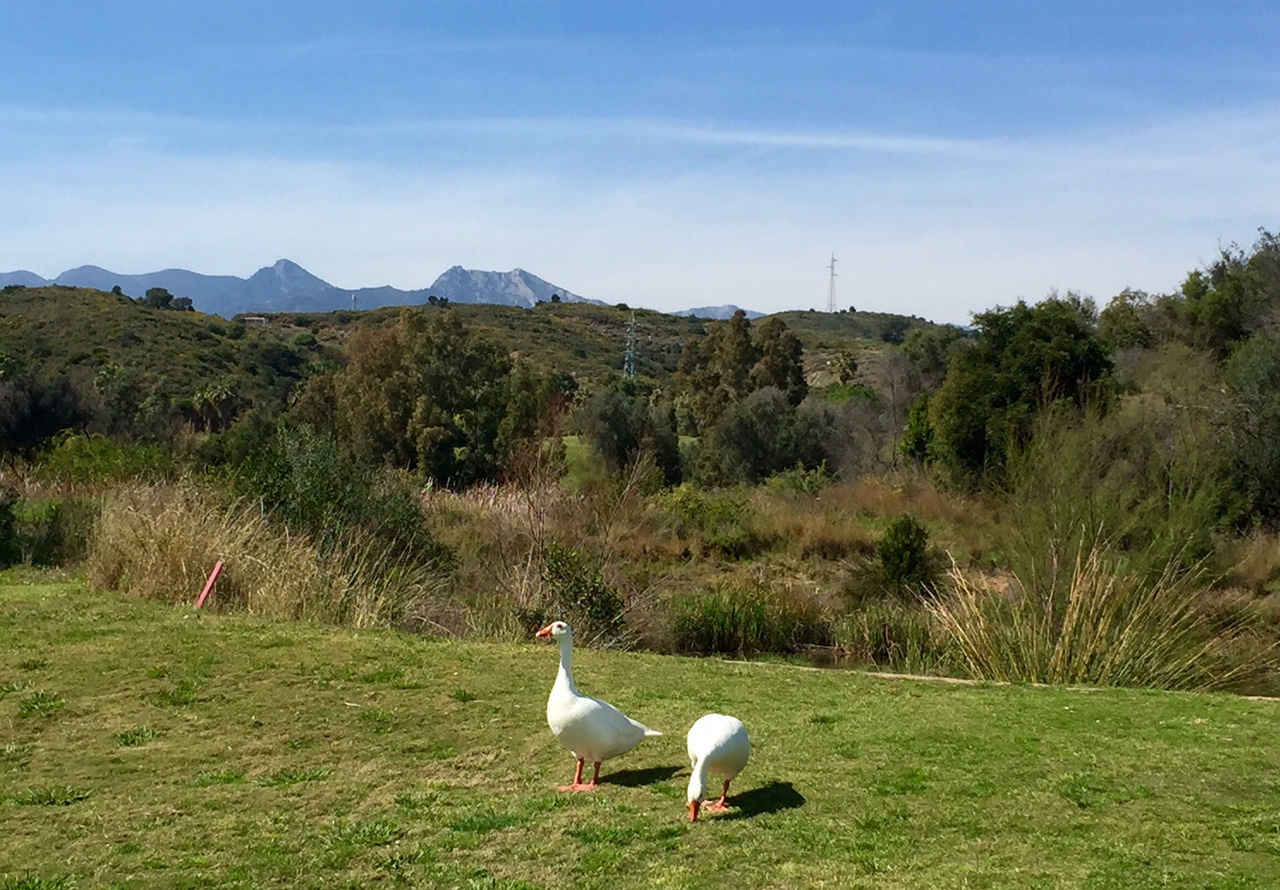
143	745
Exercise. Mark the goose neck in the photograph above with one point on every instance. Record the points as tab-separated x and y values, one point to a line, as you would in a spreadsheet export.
564	677
698	781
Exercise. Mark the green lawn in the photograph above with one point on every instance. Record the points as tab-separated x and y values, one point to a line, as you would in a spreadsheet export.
149	746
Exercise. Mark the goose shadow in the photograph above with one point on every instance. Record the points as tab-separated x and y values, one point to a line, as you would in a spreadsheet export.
635	778
772	798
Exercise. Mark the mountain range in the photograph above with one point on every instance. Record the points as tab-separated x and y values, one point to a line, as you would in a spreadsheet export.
287	287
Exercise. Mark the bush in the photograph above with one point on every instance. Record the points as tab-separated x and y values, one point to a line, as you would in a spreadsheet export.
901	566
1145	483
57	532
579	595
903	555
740	620
10	550
721	523
302	479
51	533
802	480
77	459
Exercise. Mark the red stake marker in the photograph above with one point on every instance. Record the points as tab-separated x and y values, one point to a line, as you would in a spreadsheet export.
208	585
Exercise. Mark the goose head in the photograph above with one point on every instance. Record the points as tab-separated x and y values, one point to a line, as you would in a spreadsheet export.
556	630
697	793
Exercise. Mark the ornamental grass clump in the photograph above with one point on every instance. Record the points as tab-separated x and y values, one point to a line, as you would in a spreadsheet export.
1100	624
162	542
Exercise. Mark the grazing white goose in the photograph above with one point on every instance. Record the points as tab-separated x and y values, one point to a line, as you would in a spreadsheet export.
718	744
591	729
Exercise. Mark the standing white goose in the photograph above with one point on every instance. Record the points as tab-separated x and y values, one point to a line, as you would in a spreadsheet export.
591	729
718	744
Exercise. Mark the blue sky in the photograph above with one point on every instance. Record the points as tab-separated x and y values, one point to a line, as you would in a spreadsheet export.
953	156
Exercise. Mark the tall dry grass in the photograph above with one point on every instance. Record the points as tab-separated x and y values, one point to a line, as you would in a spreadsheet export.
161	542
1104	625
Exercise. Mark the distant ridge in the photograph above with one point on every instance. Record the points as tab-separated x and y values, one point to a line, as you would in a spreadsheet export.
287	287
717	312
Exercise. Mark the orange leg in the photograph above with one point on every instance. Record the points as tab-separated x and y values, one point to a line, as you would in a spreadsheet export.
577	778
724	796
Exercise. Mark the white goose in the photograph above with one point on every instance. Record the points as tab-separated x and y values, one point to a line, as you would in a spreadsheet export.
718	744
591	729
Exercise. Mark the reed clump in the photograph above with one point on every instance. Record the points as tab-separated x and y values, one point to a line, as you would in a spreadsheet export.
746	618
1100	624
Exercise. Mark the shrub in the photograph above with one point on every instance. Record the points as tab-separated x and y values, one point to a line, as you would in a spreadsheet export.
57	532
901	565
802	480
739	620
903	554
51	533
579	594
76	459
304	481
10	549
1145	482
721	523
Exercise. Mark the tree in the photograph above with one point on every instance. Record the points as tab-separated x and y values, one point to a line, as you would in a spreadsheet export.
1235	297
1025	358
730	363
426	395
35	408
930	350
734	355
917	438
780	361
762	435
624	422
1253	376
895	330
536	406
157	298
216	403
1123	324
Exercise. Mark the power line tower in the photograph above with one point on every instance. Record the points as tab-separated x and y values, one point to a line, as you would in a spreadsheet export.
831	287
629	362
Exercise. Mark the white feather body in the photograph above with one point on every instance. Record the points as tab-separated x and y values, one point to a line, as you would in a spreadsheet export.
717	745
590	728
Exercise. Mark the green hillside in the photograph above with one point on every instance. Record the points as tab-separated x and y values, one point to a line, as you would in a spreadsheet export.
84	332
107	342
845	330
233	751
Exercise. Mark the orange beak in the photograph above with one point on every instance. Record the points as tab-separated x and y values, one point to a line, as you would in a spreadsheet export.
545	632
694	806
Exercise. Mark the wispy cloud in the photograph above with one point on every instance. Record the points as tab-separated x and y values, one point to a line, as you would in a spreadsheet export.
926	225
